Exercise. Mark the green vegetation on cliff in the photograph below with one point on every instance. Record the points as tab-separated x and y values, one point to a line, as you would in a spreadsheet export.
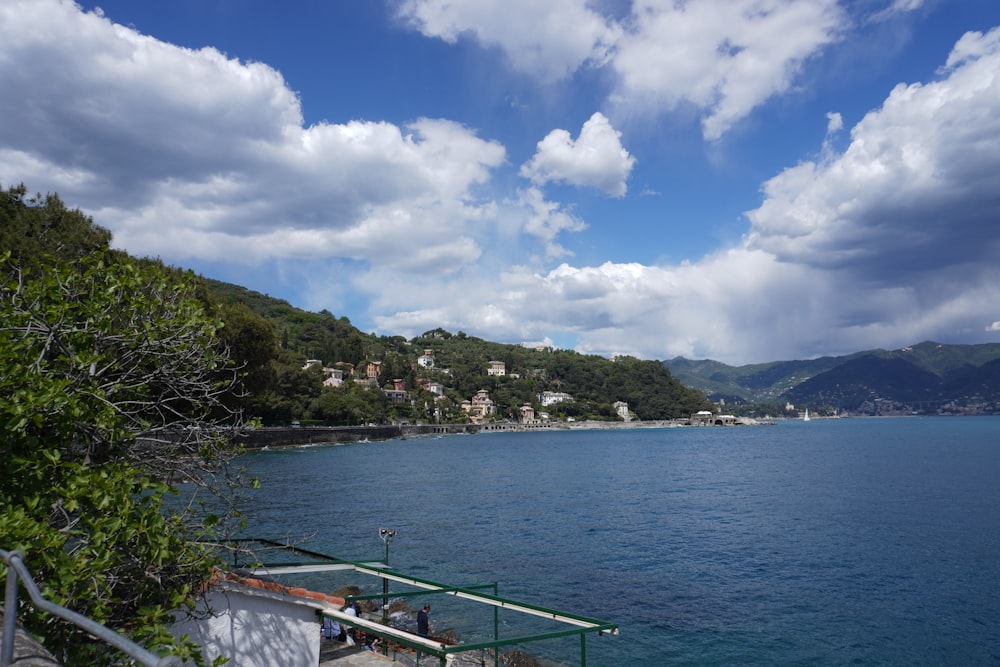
112	380
460	367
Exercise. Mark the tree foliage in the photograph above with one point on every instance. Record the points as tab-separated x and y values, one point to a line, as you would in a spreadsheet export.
112	384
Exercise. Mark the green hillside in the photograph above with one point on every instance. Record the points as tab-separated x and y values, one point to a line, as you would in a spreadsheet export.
460	367
754	383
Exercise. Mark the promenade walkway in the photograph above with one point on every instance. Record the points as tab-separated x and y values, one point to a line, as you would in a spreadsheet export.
336	654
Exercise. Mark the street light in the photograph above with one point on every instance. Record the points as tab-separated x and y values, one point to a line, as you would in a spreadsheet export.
386	536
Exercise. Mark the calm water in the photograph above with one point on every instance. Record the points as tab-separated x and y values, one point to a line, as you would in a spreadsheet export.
869	542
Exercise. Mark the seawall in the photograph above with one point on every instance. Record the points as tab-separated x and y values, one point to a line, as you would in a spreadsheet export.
309	435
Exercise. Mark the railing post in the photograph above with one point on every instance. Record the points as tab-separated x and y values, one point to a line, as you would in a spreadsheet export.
9	611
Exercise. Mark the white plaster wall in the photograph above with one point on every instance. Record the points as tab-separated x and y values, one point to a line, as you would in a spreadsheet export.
254	631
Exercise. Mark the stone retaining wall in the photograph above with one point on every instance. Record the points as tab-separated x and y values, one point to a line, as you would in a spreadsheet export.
28	652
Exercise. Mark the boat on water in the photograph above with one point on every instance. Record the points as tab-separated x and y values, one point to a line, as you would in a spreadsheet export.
805	417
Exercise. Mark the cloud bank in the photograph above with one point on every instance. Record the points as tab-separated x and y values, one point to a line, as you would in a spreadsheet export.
723	57
192	155
893	239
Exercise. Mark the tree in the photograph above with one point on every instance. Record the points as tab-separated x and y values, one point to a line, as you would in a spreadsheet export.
112	384
252	344
36	227
349	404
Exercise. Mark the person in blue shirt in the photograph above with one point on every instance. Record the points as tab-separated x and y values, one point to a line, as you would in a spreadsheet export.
331	628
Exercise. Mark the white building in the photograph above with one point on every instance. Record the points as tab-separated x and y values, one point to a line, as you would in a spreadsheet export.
435	388
547	398
260	624
335	377
497	368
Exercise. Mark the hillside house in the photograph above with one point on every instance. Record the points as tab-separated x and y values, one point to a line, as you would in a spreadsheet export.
395	395
426	360
547	398
497	368
480	407
621	409
335	377
435	388
373	370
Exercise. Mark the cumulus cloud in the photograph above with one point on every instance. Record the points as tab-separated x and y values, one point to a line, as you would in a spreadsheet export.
723	57
834	123
917	191
533	35
595	159
546	220
892	241
148	136
189	153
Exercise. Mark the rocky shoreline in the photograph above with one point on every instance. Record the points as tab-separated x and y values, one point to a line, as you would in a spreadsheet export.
264	438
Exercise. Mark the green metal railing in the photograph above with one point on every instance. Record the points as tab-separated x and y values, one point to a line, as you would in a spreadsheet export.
582	625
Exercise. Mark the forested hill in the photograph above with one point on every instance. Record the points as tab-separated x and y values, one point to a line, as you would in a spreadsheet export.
288	357
460	366
925	378
308	335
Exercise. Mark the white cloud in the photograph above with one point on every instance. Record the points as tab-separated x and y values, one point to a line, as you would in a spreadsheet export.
897	7
834	122
724	57
148	137
972	46
549	39
191	154
917	190
595	159
891	242
546	220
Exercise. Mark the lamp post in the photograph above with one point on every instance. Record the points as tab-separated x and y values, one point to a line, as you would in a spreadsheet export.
386	536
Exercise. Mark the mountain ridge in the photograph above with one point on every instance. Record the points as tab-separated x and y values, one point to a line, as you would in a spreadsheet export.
924	377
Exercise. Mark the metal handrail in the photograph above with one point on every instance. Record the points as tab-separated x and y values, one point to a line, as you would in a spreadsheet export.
16	570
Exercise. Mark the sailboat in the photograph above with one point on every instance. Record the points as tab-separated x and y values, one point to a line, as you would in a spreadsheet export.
805	417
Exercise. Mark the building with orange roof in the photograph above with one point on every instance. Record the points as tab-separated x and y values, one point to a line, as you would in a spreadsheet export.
259	623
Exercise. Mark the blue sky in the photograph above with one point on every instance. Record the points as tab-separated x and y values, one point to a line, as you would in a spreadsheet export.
742	180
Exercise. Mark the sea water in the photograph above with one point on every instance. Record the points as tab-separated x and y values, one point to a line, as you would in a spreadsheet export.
833	542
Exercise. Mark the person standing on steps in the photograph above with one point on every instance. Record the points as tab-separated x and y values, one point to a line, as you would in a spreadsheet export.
423	623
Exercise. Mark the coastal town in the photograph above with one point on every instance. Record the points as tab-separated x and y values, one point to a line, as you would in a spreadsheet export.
431	394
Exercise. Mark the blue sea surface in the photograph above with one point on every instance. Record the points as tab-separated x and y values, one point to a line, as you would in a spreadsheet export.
833	542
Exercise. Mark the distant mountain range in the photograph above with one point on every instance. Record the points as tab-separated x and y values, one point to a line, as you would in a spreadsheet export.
925	378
